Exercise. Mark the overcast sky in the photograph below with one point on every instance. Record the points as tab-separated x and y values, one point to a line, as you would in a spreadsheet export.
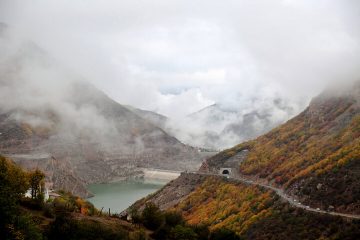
176	56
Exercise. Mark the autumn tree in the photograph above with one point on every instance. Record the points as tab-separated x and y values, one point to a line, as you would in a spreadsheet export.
13	186
36	180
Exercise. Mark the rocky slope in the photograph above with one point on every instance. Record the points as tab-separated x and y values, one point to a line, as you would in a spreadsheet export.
152	117
92	154
51	119
219	127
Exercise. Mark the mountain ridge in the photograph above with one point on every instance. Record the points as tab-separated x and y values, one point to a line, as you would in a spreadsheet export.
219	127
300	174
321	141
58	114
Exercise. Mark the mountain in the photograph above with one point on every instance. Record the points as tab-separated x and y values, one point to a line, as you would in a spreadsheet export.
152	117
302	175
219	127
52	119
115	148
314	156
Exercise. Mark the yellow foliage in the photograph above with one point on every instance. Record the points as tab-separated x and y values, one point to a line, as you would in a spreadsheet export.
232	205
300	148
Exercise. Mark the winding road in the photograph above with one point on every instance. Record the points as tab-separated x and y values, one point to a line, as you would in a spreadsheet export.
283	195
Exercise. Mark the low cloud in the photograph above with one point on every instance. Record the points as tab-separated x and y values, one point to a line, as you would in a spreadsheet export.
177	57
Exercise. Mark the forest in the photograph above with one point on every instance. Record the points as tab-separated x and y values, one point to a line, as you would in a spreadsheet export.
257	213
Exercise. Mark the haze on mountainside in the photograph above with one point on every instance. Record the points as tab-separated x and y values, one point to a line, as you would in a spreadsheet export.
51	119
95	92
260	62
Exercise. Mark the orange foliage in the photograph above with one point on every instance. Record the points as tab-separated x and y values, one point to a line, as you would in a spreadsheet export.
222	204
303	147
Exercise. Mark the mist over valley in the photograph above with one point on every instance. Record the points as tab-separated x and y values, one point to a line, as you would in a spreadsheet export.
179	119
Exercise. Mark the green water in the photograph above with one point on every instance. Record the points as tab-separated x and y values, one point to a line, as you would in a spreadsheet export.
120	195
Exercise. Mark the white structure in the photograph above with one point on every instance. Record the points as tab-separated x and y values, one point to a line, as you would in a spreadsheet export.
46	194
28	193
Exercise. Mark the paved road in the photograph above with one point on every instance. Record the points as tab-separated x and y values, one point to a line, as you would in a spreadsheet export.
284	196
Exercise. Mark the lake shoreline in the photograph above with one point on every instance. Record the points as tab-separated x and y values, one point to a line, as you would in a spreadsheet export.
120	193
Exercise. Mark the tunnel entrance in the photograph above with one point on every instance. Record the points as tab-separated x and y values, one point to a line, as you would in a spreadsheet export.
225	172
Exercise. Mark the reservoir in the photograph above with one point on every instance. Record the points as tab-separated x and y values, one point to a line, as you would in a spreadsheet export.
120	195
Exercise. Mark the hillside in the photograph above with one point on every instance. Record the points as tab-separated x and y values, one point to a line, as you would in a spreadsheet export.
116	147
63	217
252	212
314	156
291	183
257	213
152	117
74	132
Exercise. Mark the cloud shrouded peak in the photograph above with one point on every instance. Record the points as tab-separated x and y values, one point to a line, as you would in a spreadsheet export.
177	57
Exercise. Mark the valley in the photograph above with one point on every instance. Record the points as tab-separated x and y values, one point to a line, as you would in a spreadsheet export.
243	186
179	120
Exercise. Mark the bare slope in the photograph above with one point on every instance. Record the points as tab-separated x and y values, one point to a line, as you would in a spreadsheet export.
48	111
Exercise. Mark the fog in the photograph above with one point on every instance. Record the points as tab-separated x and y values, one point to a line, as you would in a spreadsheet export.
36	90
177	57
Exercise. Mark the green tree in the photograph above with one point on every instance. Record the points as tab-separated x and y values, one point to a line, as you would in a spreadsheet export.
173	218
202	231
183	233
224	234
135	215
152	217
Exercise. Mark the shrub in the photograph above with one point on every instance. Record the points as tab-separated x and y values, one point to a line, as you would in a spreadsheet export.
183	233
224	234
64	227
48	211
173	218
152	217
138	235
